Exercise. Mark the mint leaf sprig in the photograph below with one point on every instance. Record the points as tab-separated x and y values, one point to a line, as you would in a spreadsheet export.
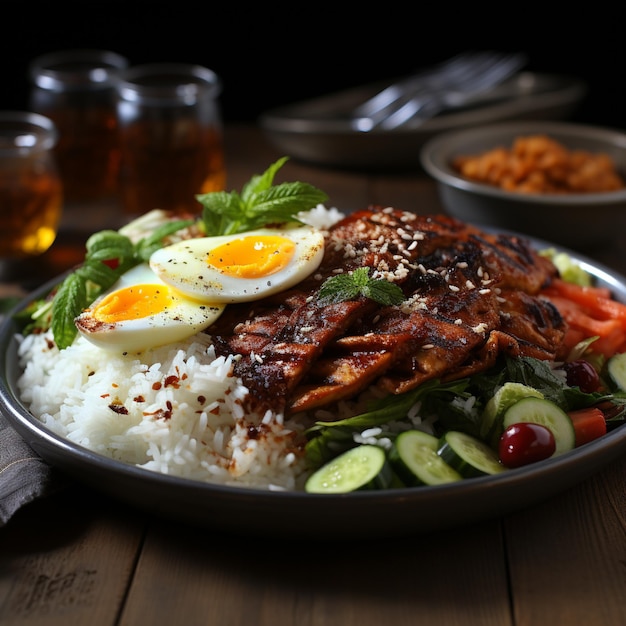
350	286
260	203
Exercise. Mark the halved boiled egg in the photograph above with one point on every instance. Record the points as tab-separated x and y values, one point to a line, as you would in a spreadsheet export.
140	311
242	267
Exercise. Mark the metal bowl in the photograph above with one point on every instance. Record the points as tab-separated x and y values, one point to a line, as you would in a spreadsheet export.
576	220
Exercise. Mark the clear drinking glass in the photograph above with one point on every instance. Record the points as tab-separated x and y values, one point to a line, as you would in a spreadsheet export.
76	90
31	192
171	137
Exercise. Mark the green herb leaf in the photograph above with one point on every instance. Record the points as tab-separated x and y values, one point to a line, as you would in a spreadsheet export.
154	241
96	273
261	182
344	287
71	297
108	244
260	203
6	304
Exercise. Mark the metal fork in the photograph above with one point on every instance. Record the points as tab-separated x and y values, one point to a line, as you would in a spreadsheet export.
423	95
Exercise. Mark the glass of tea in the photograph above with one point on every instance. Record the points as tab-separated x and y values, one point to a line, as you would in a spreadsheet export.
31	192
76	90
170	136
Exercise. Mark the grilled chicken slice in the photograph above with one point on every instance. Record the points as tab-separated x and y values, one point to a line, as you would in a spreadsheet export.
469	296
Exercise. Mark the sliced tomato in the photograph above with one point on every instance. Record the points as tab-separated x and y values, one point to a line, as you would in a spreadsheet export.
589	424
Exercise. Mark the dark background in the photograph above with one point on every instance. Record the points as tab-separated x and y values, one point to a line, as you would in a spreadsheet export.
272	54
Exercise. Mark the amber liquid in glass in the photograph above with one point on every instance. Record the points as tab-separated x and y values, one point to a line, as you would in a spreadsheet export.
87	152
30	211
166	163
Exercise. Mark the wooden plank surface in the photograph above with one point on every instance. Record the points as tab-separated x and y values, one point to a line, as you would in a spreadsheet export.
438	578
68	560
567	557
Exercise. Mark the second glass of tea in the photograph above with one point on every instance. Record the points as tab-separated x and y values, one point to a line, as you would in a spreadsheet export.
31	192
170	136
76	90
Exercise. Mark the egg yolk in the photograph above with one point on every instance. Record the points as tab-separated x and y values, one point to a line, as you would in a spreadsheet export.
253	256
132	303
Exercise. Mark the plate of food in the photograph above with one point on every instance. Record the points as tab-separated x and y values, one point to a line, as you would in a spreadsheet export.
277	367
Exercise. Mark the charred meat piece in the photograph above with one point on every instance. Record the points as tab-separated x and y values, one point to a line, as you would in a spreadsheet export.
469	296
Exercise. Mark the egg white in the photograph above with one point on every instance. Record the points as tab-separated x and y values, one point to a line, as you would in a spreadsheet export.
187	265
136	330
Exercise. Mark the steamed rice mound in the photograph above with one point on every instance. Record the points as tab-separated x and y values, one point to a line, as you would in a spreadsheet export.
174	410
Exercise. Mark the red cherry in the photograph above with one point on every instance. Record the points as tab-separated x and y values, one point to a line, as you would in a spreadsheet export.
524	443
581	373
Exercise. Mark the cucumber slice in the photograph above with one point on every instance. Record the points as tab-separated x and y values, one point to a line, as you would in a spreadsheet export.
468	455
547	414
505	397
415	459
363	467
616	367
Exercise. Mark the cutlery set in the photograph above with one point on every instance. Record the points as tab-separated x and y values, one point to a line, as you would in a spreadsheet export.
462	80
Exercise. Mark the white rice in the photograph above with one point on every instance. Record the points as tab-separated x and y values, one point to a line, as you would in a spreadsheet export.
175	410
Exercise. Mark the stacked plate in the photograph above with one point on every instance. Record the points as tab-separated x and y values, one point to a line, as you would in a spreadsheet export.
322	130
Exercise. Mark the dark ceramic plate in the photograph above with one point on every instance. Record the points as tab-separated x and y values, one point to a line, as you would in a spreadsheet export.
365	513
320	131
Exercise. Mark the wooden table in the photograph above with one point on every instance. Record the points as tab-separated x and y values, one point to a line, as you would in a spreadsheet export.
80	558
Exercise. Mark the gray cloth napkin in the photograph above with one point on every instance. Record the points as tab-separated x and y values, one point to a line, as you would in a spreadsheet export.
24	475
